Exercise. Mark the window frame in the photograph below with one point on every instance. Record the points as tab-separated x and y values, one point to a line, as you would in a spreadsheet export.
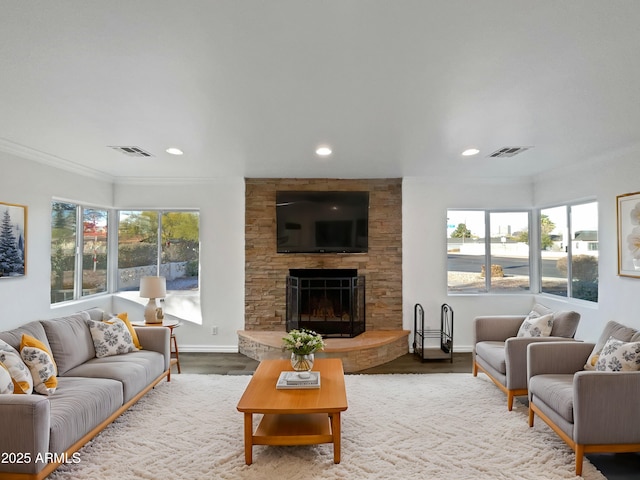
568	206
78	273
158	262
488	290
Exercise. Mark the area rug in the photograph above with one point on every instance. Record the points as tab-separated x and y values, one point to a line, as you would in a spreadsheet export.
430	426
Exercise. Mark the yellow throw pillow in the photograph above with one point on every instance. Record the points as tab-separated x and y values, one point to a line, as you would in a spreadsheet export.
20	375
41	365
125	318
6	382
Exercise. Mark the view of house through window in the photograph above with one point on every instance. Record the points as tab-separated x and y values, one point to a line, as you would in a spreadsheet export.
496	262
569	251
75	228
165	243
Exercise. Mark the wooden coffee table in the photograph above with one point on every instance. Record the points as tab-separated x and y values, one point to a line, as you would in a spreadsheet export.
294	416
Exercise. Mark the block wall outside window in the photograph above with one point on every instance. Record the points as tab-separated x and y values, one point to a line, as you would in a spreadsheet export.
165	243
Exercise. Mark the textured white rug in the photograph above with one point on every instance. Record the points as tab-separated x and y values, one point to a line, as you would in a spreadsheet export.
435	426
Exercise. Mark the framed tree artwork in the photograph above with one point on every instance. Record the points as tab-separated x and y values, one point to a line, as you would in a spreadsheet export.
628	206
13	240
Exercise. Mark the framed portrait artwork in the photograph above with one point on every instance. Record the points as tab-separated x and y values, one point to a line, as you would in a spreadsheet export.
13	240
628	207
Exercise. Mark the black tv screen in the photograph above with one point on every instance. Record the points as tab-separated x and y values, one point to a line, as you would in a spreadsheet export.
322	222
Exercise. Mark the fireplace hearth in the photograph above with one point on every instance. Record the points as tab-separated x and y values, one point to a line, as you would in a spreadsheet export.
330	302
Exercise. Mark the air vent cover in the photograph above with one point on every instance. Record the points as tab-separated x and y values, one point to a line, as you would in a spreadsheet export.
508	151
132	151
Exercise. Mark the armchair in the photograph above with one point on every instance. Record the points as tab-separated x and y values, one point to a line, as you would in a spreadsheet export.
592	411
501	355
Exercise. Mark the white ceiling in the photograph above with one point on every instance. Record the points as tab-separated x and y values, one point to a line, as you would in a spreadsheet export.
251	87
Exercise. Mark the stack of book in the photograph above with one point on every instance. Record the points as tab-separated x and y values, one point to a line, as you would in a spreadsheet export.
294	380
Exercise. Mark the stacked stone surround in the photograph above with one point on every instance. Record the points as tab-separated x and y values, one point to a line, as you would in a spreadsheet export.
266	270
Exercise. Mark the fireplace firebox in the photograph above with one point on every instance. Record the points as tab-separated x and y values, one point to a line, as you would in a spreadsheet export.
330	302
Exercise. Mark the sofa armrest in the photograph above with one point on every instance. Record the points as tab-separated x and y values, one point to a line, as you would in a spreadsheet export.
26	423
156	339
496	327
515	353
564	357
604	408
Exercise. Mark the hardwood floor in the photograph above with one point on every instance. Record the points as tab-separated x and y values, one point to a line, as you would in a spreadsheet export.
238	364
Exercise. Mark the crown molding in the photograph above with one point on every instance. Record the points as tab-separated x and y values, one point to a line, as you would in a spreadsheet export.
163	181
51	160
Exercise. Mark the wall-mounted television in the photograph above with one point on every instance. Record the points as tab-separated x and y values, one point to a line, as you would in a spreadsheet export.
322	222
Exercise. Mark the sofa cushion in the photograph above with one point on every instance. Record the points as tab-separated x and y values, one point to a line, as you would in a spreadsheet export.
556	391
136	370
493	353
6	384
536	326
20	375
111	338
618	356
41	365
78	406
565	324
34	329
70	340
611	329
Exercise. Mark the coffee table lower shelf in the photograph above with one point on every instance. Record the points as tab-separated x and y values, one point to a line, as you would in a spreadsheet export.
293	416
303	429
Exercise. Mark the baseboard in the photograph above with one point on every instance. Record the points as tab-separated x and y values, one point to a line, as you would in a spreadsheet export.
456	349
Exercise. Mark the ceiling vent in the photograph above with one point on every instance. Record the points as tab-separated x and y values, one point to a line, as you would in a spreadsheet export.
508	152
132	151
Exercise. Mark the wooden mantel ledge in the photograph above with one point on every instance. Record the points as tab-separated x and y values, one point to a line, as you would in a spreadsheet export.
364	341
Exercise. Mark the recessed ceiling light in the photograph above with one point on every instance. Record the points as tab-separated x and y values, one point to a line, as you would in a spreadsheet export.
174	151
323	151
470	151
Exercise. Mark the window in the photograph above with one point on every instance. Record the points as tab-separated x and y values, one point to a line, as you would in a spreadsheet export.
79	251
505	249
165	243
569	251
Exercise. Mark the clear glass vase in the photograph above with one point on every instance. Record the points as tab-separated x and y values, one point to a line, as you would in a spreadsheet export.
302	363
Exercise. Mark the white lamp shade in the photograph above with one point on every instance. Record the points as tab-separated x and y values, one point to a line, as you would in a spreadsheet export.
153	287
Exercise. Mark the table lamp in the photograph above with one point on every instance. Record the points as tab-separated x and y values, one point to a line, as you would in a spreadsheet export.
152	288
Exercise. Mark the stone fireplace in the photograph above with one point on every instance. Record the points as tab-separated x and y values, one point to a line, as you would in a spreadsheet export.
266	270
330	302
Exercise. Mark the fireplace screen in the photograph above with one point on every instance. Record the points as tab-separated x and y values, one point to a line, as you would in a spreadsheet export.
331	303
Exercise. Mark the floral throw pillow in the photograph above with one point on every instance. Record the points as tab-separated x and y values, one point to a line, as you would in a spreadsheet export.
618	356
43	368
20	375
535	326
111	338
6	384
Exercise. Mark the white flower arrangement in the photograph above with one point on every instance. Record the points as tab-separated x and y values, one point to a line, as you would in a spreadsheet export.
303	342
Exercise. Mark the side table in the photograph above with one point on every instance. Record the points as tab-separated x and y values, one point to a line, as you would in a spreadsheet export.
173	343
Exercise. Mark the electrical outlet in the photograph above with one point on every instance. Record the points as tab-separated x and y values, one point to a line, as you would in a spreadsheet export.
214	330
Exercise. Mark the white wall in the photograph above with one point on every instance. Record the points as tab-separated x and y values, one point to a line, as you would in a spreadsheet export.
603	180
26	182
424	260
221	205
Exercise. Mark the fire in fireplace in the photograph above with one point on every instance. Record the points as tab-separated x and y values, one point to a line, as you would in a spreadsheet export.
328	301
